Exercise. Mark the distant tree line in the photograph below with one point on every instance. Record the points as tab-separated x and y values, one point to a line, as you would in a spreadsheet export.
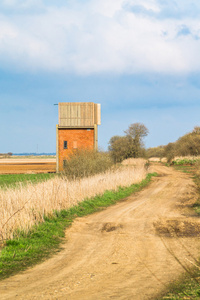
6	154
189	144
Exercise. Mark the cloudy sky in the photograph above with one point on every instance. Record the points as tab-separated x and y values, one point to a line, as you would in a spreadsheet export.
139	58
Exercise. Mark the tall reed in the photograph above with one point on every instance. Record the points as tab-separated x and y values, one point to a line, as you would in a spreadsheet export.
25	206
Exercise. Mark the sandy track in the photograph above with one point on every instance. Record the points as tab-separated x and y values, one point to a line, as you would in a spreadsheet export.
116	254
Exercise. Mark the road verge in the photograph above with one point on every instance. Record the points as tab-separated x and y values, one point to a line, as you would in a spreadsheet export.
46	239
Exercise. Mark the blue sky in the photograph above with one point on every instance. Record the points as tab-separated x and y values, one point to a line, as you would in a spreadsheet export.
138	58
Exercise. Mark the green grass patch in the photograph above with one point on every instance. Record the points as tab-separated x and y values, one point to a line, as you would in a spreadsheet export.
46	238
185	168
187	288
184	161
13	180
196	206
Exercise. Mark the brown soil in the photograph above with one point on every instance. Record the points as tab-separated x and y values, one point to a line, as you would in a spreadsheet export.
123	252
24	166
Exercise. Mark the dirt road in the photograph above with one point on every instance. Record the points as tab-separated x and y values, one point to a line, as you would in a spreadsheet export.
128	251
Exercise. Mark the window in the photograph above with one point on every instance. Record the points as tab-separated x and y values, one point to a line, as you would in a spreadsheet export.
65	144
75	144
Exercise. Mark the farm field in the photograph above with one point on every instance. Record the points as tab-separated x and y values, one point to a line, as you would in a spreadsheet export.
129	251
27	165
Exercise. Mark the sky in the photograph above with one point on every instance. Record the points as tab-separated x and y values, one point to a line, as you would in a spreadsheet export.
139	58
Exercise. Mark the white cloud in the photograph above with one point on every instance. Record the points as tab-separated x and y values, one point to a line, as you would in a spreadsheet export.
98	36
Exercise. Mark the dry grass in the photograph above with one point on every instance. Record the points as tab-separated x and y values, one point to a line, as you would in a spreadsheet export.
23	207
157	159
177	227
134	162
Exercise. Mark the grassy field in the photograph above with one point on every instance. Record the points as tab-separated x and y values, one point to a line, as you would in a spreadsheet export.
14	180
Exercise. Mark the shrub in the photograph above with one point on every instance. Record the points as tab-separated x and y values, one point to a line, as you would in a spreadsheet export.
155	152
84	163
130	145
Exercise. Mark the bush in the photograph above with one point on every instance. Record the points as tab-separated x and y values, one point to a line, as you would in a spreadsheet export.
155	152
130	145
84	163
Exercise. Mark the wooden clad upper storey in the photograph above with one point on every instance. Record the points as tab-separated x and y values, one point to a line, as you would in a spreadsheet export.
79	114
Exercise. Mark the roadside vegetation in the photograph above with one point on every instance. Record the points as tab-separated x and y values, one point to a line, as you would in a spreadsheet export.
28	247
23	207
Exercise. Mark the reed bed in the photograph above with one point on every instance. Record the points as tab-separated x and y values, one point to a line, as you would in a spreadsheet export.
23	207
158	159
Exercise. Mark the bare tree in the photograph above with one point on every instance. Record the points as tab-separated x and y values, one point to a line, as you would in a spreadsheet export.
130	145
136	134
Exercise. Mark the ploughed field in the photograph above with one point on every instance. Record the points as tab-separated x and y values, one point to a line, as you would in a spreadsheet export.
27	165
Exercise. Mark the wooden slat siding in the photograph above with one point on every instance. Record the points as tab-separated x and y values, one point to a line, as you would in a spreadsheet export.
79	115
83	114
98	120
97	114
75	114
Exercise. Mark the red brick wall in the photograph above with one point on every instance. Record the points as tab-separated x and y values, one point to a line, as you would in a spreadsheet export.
76	138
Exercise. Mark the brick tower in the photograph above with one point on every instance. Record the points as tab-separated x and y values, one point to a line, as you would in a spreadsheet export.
76	129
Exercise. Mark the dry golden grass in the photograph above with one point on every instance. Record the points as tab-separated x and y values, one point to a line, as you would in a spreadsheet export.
134	162
178	227
22	207
157	159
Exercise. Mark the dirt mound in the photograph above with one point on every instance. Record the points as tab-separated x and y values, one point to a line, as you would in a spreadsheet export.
111	227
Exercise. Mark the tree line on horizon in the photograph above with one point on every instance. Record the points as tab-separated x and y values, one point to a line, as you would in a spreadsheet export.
187	145
132	145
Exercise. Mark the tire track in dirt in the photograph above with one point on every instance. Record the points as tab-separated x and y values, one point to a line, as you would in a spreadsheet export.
117	253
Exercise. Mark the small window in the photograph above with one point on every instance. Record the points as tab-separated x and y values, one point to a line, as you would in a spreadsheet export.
75	144
65	144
